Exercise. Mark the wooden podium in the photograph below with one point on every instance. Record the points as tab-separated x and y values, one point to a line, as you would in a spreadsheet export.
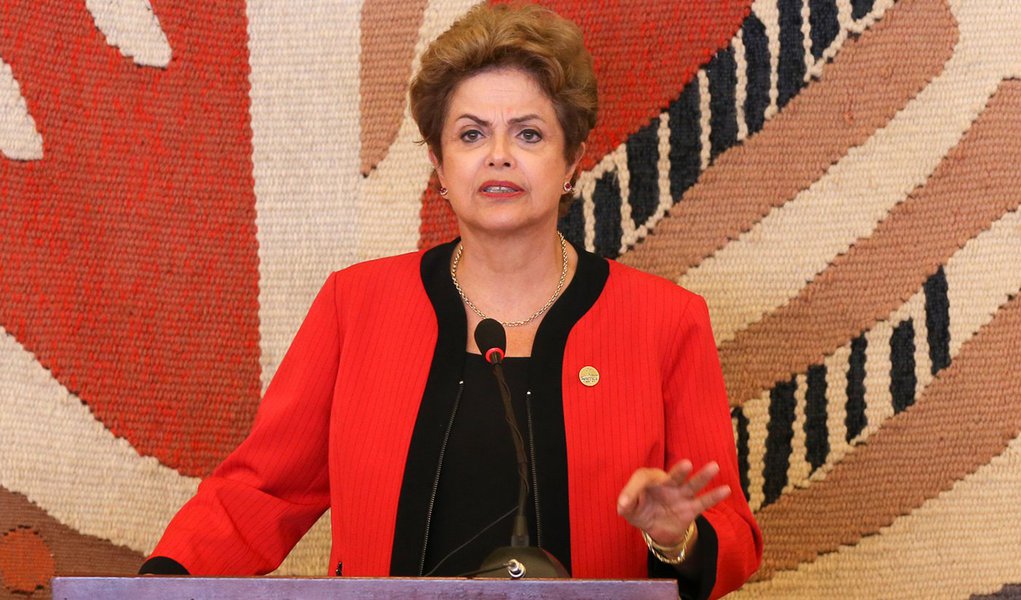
350	588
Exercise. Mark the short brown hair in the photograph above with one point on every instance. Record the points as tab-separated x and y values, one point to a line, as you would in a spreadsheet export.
529	37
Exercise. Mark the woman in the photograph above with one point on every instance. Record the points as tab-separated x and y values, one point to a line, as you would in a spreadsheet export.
384	411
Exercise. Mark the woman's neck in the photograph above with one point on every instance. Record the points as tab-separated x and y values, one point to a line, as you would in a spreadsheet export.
509	279
519	261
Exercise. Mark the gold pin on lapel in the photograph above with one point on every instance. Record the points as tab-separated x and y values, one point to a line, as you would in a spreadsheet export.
589	376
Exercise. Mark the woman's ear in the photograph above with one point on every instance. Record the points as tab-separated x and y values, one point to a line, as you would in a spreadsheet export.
436	165
572	169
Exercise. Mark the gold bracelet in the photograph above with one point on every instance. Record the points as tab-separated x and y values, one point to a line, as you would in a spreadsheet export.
671	555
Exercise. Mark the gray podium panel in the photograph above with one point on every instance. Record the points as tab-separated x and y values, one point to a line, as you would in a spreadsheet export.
352	588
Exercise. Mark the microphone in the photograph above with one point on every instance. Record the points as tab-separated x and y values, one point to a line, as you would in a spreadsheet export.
517	558
491	338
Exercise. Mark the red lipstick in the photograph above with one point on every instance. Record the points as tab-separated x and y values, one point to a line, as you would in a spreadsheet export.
500	189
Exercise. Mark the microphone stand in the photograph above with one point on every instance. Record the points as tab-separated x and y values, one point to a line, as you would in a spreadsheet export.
520	559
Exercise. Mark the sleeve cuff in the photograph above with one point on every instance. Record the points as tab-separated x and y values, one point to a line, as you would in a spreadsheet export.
700	586
161	565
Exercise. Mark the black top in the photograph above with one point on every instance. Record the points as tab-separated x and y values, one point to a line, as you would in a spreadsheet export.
477	492
414	525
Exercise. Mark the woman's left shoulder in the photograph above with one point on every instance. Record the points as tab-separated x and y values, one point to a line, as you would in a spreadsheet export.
648	287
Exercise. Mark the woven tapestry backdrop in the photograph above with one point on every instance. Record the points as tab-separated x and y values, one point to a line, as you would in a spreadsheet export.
836	177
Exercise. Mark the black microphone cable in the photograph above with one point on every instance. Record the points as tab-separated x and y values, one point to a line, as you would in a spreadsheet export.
470	540
491	339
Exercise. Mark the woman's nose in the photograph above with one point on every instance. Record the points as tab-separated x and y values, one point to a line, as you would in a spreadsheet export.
500	151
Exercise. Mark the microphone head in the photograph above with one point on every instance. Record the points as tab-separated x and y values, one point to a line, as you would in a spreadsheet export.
491	339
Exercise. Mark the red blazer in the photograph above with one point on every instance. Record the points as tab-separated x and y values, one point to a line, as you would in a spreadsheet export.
335	424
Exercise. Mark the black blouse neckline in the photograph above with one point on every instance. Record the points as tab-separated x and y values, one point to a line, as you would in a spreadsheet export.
442	390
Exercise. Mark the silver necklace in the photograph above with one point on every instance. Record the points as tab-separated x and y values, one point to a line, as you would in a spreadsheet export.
536	314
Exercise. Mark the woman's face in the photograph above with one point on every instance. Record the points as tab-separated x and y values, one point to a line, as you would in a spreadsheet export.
503	155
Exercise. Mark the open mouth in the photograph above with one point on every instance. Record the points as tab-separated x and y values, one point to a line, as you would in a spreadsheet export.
500	188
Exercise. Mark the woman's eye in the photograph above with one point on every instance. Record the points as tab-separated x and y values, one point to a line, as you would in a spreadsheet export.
530	135
472	135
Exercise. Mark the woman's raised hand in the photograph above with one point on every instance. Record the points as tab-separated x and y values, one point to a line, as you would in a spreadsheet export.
664	504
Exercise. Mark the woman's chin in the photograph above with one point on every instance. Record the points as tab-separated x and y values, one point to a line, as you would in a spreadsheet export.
508	219
504	227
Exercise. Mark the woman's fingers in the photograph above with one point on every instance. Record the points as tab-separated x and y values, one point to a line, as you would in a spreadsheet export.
710	499
651	493
680	471
641	479
699	480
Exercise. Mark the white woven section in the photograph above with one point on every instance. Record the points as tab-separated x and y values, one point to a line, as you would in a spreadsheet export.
18	136
305	132
70	465
133	28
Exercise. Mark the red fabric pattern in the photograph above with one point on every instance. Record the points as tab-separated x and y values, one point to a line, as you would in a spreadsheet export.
129	262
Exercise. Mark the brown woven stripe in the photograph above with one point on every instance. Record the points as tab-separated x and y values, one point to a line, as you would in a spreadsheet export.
816	129
964	418
880	273
389	35
27	529
1007	592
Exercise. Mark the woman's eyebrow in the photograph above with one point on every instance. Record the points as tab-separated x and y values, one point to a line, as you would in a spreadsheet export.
513	121
523	118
